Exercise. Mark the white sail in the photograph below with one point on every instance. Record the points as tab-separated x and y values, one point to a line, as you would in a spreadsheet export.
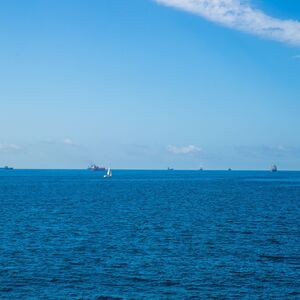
108	174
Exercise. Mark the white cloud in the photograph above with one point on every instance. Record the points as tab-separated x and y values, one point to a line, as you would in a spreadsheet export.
296	57
8	147
190	149
239	14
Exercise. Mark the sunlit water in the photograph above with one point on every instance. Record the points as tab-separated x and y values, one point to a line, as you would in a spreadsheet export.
149	235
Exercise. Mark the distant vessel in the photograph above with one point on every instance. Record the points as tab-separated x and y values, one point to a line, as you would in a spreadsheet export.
229	169
108	174
6	168
201	169
274	169
170	169
96	168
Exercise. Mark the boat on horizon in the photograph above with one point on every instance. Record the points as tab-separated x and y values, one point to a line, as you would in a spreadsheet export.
108	174
170	169
94	167
6	168
274	169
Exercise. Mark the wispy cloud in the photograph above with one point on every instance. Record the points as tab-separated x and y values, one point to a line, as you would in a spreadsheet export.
296	57
265	151
190	149
9	147
239	14
68	141
59	142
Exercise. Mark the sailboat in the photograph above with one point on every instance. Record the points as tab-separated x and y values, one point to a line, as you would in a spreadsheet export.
108	174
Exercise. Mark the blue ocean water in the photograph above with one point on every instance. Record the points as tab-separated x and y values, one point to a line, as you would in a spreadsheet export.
149	235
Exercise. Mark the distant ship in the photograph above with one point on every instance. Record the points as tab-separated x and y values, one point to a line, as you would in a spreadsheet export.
96	168
6	168
274	169
229	169
108	174
170	169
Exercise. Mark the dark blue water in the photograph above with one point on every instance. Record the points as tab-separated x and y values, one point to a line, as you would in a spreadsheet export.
149	235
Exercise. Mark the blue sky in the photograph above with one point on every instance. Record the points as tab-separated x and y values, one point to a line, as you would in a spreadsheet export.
150	84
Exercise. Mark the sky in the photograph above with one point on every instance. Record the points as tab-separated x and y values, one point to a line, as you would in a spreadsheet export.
147	84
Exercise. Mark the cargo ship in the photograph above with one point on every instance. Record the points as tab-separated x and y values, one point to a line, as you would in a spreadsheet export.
274	169
96	168
6	168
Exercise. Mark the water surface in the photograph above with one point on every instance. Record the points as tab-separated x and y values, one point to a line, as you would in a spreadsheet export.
149	235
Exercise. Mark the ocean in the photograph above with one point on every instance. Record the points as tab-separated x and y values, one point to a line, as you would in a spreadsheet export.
149	235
